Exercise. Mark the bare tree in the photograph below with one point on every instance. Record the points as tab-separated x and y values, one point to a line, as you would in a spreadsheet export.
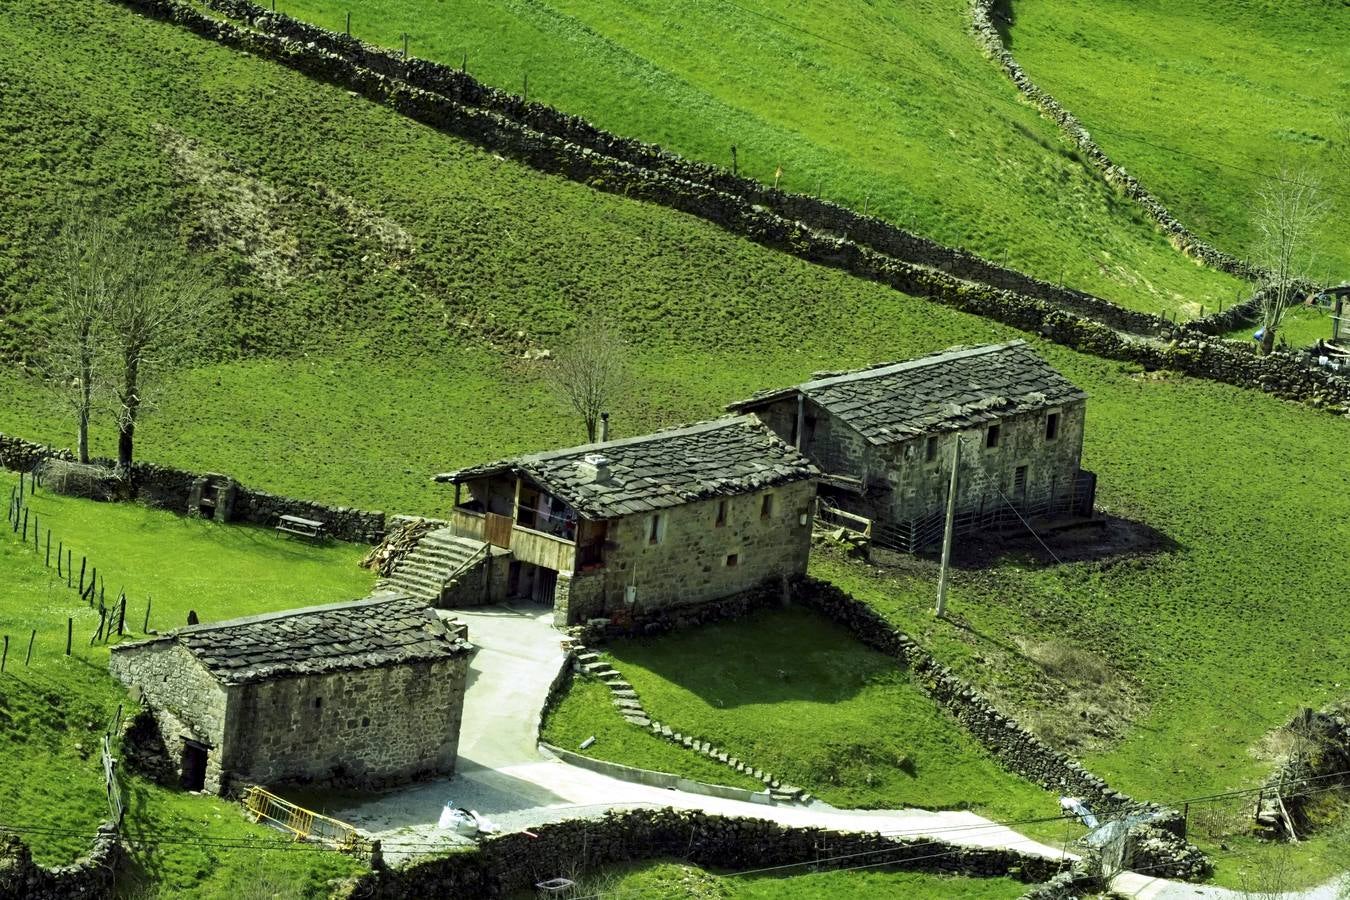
1288	210
591	371
90	268
159	308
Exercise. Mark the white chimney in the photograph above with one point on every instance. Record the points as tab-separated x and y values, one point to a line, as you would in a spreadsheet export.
594	467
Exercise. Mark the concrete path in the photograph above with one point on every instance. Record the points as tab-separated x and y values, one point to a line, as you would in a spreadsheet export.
1132	884
502	775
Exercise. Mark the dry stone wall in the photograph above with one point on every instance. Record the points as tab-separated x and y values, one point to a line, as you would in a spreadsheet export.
515	862
1284	375
982	12
169	488
88	878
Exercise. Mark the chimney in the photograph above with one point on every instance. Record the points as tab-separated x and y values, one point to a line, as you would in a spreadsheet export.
594	467
604	427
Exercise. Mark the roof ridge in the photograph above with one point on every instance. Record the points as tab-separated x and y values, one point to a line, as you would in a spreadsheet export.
918	362
672	432
289	613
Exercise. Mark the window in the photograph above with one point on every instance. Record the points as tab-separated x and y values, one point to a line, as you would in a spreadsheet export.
318	702
365	721
930	450
766	506
1020	481
1052	426
991	437
721	514
654	529
733	559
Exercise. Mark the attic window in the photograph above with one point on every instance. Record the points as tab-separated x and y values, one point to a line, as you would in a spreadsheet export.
991	437
1052	426
766	506
930	449
721	514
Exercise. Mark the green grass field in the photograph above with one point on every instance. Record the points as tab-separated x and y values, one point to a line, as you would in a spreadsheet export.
673	880
345	375
1200	101
56	708
931	136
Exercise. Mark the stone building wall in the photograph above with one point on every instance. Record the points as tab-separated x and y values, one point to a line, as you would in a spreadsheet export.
371	727
690	563
185	700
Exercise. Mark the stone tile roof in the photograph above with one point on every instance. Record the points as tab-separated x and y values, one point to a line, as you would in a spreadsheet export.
731	455
363	634
946	391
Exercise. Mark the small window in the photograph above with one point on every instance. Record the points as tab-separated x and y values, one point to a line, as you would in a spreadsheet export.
721	514
1052	426
930	450
991	437
1020	481
654	529
365	721
733	560
318	702
766	506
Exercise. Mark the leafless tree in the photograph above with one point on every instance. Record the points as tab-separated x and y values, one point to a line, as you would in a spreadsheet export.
90	269
159	308
1289	208
591	371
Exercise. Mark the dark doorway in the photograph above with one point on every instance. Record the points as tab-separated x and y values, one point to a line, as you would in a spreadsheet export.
545	583
194	766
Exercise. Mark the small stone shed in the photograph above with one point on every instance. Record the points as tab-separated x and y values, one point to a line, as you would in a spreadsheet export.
366	693
644	525
883	437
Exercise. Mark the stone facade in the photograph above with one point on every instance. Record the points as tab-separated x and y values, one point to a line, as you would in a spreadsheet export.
695	559
368	693
186	702
366	726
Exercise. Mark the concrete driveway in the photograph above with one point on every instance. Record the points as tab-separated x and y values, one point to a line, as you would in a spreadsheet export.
503	776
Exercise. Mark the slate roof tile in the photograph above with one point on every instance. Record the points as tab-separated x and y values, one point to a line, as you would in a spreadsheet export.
955	388
357	635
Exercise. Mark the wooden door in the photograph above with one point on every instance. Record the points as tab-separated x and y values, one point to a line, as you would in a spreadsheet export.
497	530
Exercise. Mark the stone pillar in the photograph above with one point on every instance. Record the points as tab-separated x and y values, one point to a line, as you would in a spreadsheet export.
562	600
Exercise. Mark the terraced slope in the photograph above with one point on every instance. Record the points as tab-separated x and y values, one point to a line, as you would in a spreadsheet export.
892	108
1201	100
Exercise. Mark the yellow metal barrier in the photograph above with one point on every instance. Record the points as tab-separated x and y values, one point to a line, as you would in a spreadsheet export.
262	805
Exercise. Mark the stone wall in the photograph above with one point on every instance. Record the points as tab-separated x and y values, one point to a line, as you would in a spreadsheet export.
1319	762
169	488
818	214
1283	375
91	877
991	41
186	702
516	862
367	727
695	560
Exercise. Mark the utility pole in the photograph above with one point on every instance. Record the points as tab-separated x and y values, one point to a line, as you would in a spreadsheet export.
947	529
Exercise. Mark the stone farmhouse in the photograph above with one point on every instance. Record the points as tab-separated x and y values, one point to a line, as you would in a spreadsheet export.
643	525
368	693
884	436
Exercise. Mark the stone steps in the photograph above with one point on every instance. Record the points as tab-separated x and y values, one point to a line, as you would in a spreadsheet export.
439	557
626	700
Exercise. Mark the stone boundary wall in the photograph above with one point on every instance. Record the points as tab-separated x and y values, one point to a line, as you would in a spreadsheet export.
1284	375
986	34
88	878
514	862
1302	776
820	215
168	488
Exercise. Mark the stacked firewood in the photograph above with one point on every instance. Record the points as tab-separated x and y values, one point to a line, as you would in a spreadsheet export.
398	543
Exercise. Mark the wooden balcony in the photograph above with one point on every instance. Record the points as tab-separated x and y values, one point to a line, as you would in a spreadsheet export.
467	523
558	554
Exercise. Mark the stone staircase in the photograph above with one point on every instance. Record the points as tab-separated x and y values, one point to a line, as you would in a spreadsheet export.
438	558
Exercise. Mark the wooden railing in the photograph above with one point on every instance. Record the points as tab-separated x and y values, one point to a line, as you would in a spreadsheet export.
528	545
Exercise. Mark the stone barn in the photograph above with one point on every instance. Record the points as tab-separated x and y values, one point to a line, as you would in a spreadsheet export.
883	438
647	525
366	693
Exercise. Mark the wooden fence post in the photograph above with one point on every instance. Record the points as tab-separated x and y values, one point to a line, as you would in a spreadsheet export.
60	552
122	615
49	548
29	655
83	561
70	632
70	564
146	628
25	524
4	655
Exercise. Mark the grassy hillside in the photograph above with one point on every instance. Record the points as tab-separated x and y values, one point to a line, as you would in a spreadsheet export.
892	107
55	709
1237	90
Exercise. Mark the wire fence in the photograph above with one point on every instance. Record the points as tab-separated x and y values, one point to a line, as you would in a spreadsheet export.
75	573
